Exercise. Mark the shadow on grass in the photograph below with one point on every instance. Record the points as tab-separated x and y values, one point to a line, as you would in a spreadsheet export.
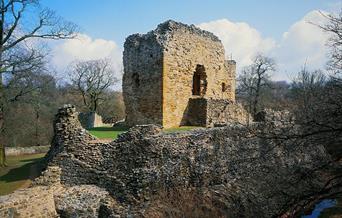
25	171
32	160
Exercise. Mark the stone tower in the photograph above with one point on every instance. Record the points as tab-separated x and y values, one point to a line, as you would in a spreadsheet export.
173	73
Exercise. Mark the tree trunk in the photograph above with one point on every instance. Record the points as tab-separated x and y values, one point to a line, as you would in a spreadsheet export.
255	104
256	99
37	127
2	147
2	156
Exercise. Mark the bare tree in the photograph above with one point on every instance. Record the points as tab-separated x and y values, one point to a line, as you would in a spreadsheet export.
317	121
28	121
327	116
319	113
334	28
92	79
305	89
253	79
20	31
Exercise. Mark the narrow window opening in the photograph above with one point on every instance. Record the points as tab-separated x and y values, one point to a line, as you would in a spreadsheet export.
136	80
224	87
196	86
199	81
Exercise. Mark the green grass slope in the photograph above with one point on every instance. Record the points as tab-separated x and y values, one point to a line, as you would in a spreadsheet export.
19	171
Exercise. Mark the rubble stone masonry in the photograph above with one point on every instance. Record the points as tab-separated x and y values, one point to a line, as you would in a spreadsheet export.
249	176
166	67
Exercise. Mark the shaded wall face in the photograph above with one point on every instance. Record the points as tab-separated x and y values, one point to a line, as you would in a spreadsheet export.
91	120
215	112
183	54
142	81
197	112
230	66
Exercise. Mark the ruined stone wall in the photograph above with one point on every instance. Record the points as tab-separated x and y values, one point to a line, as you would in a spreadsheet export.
247	175
196	112
215	112
48	198
15	151
222	112
142	80
37	201
34	202
67	129
250	172
159	70
91	119
186	48
230	66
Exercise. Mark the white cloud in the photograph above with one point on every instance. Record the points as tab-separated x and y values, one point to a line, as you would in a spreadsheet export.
84	47
302	43
240	40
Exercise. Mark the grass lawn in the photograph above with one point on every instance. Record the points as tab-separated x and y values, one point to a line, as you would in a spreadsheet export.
19	171
113	132
107	132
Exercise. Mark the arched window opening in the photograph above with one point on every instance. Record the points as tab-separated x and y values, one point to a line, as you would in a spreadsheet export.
136	80
199	81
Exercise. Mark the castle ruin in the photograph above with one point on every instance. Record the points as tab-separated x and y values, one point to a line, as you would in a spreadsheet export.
177	75
242	174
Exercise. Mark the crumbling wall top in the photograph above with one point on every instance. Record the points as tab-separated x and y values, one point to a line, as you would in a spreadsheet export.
164	32
170	26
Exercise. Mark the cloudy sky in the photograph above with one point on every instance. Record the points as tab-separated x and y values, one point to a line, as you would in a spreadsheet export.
282	30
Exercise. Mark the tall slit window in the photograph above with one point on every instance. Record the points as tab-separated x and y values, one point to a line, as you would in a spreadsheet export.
224	87
136	80
199	81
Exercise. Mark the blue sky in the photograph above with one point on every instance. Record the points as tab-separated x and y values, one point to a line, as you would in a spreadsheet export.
279	29
116	19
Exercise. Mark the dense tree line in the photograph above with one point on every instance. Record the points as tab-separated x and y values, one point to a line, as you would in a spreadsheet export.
28	122
22	54
314	99
279	95
29	95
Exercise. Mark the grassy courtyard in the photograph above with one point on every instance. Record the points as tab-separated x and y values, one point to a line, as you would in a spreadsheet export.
19	171
113	132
